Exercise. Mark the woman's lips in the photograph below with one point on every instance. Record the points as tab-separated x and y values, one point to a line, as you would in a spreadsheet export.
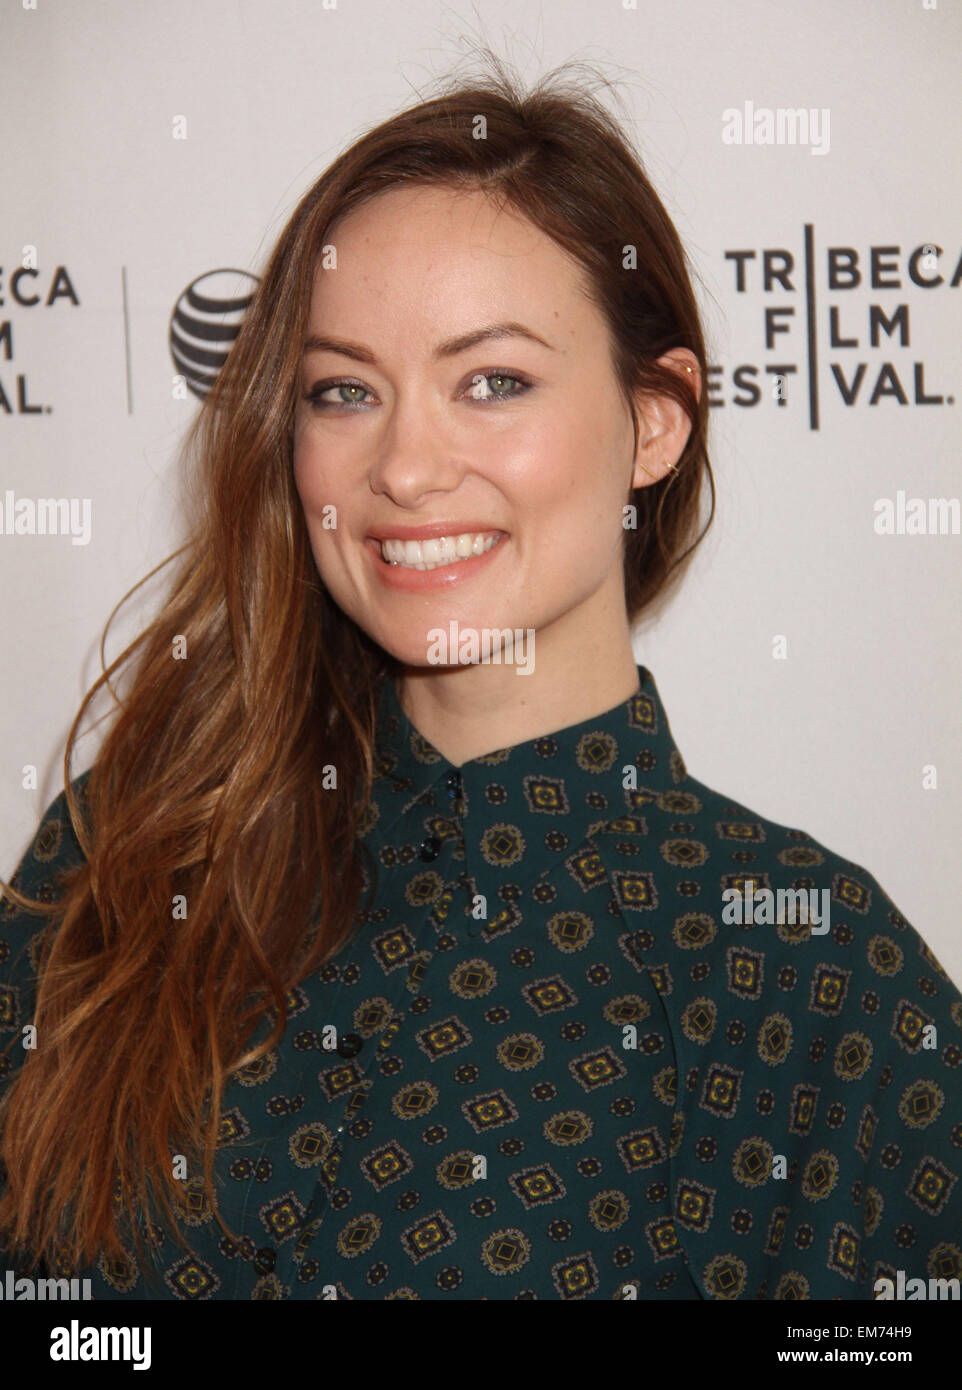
409	580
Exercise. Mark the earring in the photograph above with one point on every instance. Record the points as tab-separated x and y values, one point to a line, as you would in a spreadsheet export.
672	468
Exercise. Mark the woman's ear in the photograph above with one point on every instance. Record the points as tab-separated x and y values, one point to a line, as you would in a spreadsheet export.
664	426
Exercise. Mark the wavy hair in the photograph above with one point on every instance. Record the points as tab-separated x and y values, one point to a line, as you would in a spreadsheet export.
210	768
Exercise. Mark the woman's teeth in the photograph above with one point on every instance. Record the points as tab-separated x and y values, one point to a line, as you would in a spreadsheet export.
445	550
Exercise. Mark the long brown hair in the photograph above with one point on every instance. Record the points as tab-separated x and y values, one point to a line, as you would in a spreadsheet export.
210	770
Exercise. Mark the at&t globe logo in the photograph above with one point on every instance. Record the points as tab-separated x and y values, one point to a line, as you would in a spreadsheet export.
205	322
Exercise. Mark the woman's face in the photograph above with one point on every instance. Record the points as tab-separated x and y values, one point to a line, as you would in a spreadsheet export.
524	436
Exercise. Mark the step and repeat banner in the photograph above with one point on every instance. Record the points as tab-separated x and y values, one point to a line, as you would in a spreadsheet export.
810	660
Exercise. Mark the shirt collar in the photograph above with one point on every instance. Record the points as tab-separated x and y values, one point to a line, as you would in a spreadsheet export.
556	788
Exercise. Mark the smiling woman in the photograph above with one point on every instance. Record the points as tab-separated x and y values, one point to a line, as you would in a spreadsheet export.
369	974
529	458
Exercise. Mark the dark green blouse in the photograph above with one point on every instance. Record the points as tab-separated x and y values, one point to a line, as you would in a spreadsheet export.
567	1064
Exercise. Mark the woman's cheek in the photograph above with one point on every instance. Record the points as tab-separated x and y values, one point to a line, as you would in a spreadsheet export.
310	482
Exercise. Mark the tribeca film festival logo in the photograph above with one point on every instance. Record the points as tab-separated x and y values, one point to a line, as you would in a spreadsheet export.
203	327
204	324
856	306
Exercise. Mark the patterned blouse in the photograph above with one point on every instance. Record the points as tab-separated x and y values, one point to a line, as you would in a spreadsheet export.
584	1044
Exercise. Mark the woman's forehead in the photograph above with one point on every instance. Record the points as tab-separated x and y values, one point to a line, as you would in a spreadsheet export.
425	251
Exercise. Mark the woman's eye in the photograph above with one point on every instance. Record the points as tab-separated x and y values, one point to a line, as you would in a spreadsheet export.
479	389
346	388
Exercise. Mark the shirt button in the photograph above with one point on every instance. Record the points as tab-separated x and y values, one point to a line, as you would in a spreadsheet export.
349	1045
454	782
265	1259
430	848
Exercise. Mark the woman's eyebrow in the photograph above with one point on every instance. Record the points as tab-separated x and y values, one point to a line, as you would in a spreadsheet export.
321	342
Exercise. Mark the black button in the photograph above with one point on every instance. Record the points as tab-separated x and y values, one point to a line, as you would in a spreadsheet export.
265	1259
349	1045
430	848
454	782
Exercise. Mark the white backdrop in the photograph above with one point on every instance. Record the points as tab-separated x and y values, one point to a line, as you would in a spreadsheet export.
836	738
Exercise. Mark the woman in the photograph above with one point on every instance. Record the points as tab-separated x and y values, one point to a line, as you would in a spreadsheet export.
374	971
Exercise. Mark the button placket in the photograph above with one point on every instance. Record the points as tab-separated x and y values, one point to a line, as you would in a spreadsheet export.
429	849
317	1212
454	784
455	791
